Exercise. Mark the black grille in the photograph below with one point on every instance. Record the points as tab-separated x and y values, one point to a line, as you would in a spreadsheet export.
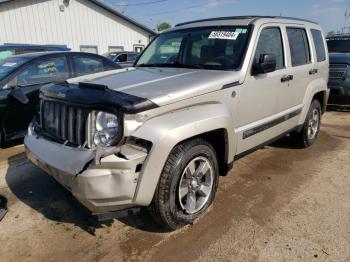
337	70
63	122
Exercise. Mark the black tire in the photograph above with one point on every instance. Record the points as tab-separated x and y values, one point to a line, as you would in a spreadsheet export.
302	139
166	207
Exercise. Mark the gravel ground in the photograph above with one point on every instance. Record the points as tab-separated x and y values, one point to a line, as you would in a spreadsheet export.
277	204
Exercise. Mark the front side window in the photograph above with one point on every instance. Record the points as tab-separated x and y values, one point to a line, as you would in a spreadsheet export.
270	42
44	71
299	46
212	48
319	45
84	65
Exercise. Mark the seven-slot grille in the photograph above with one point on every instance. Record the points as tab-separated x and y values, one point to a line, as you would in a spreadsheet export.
63	122
337	70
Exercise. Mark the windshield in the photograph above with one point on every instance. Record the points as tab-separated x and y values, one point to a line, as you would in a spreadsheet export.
5	53
339	45
110	55
213	48
9	64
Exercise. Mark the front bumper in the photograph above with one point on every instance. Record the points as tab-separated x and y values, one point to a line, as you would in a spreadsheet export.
104	187
339	91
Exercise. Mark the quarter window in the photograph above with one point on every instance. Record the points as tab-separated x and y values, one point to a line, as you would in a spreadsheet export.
270	42
44	71
299	46
319	45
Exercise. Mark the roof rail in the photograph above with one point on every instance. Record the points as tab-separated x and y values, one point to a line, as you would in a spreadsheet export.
252	17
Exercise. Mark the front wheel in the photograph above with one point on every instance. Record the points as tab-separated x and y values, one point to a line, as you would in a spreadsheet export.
187	185
311	127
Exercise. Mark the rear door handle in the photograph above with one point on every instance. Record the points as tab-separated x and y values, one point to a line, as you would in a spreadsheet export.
313	71
287	78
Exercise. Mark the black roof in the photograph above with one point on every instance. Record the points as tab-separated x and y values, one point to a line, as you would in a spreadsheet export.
38	54
253	18
30	46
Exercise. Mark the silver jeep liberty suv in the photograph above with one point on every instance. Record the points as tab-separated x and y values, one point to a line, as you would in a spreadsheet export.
202	95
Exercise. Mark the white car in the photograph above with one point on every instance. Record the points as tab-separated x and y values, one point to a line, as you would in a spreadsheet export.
202	95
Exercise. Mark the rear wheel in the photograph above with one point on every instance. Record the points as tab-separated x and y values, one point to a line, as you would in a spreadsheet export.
311	127
187	185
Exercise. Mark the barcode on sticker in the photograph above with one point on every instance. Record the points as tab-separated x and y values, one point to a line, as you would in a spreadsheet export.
227	35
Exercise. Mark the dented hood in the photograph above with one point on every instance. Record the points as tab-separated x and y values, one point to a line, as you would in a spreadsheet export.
161	85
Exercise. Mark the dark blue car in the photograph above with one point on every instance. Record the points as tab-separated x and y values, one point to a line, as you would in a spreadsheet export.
22	76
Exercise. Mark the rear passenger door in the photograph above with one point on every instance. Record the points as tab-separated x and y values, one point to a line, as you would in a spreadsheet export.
84	64
301	65
321	63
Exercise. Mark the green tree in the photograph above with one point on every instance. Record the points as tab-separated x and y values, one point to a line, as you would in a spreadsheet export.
330	33
163	26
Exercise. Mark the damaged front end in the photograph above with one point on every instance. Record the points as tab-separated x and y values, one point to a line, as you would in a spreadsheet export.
62	141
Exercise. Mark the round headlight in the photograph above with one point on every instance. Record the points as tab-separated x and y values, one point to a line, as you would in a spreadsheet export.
106	120
106	129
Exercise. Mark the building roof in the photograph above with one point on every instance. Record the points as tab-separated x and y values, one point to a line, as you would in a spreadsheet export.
114	12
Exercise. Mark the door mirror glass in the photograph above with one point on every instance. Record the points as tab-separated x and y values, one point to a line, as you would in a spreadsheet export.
265	64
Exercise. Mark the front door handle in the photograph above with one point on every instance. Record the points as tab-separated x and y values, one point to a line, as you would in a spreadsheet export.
287	78
313	71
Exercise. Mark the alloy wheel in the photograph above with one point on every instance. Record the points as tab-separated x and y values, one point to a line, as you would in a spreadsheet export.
195	185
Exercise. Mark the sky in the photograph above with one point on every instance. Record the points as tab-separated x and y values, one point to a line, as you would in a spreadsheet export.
330	14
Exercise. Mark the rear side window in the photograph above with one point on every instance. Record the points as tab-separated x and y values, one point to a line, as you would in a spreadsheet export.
85	65
299	46
319	45
270	42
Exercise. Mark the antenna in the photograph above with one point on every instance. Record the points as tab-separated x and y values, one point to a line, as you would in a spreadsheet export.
346	18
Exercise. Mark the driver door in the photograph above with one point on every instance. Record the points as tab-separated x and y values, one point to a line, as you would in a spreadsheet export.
28	82
258	96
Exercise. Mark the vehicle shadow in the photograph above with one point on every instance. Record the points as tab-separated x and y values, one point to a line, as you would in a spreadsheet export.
285	142
42	193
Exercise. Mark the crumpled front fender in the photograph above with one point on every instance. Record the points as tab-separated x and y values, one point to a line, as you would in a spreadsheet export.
168	130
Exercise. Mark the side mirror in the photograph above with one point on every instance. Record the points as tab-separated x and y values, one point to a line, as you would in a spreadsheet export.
19	95
266	64
12	83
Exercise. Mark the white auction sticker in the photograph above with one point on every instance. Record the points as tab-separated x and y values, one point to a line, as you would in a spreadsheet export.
227	35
